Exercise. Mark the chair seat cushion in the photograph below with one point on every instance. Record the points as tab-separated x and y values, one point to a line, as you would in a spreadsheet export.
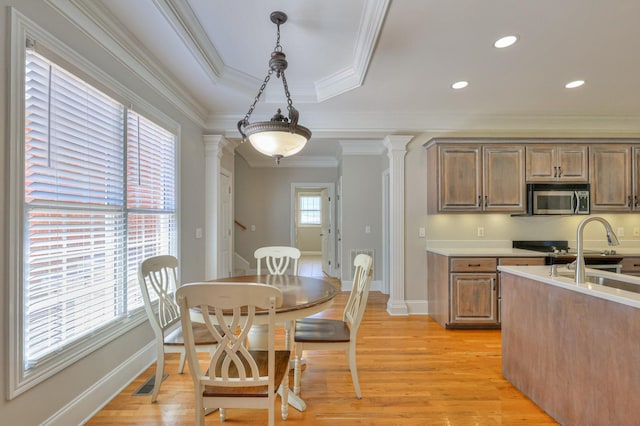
321	330
261	357
200	334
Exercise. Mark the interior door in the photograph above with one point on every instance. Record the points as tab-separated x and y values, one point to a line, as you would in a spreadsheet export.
325	231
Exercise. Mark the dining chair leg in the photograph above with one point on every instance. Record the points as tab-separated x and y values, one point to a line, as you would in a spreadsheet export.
285	396
159	374
351	355
223	414
296	370
181	364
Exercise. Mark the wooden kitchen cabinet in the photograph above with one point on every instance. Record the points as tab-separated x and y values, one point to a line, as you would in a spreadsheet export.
631	265
611	178
474	298
557	163
463	291
476	178
636	178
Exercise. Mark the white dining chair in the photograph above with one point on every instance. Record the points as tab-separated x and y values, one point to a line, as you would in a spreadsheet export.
158	276
235	376
332	334
278	259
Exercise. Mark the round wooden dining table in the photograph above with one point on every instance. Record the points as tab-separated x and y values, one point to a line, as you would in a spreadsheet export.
301	297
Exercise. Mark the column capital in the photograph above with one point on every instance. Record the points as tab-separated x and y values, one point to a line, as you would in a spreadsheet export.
397	142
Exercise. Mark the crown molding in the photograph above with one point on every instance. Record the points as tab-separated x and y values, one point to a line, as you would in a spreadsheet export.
187	26
362	147
381	124
352	77
99	25
300	161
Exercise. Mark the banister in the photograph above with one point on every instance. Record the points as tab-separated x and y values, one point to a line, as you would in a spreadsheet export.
240	225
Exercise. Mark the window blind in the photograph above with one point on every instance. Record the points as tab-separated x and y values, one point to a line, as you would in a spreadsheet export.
99	197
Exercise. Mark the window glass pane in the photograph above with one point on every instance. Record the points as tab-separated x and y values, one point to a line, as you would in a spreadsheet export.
309	209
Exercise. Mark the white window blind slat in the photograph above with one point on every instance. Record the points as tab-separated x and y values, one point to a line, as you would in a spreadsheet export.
84	233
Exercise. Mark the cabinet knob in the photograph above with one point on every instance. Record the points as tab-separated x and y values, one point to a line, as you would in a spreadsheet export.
555	171
635	199
559	171
486	200
479	200
629	200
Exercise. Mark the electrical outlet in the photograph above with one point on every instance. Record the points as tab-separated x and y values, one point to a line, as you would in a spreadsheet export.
421	232
620	231
480	231
636	231
198	233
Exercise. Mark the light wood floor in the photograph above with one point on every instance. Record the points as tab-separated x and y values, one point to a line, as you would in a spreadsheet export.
412	372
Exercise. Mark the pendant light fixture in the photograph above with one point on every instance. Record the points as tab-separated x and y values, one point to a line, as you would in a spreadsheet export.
281	136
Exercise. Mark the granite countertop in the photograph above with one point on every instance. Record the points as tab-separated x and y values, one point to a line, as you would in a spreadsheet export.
488	251
542	275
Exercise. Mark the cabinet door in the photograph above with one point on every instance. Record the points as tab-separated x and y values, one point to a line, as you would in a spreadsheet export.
572	162
610	170
503	179
636	178
460	177
541	163
474	299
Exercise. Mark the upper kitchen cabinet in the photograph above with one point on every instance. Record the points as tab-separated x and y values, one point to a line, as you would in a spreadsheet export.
476	178
557	163
636	178
611	178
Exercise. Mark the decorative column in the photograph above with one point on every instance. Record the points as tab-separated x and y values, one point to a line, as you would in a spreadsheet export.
213	150
396	146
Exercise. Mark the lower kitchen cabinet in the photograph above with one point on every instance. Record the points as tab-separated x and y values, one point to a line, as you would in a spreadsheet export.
463	291
631	265
474	299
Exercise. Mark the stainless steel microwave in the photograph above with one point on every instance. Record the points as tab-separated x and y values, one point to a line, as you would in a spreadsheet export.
558	198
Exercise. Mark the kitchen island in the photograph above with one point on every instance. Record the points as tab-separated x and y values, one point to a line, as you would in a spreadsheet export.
573	349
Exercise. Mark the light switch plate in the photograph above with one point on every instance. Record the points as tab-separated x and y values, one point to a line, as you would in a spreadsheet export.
480	231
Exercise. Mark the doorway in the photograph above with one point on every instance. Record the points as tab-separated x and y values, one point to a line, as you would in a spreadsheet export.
312	221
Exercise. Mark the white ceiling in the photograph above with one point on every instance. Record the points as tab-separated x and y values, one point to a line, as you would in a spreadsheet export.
362	69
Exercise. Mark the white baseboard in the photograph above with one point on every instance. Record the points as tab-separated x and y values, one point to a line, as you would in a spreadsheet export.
418	307
87	404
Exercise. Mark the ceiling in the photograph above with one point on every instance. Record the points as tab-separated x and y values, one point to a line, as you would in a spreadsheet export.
362	69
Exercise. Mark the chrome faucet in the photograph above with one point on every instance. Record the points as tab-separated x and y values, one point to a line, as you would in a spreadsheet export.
612	240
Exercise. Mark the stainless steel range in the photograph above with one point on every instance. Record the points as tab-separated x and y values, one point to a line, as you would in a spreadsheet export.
559	252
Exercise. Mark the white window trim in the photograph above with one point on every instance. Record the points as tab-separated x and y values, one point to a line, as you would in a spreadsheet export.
22	28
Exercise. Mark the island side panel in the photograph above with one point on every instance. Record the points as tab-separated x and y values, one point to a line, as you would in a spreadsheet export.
438	287
576	356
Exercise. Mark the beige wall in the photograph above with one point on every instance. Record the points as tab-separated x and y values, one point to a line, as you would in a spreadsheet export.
263	200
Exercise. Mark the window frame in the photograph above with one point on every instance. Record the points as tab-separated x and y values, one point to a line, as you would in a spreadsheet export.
21	29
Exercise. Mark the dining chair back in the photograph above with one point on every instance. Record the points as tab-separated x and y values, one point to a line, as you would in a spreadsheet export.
278	259
158	280
235	376
331	334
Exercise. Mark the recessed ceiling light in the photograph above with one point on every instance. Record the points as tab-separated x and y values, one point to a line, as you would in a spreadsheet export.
505	41
460	84
574	84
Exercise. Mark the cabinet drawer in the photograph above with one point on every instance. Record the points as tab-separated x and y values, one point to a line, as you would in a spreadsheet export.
474	264
521	261
630	265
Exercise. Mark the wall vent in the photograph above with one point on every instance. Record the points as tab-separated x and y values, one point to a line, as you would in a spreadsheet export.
355	252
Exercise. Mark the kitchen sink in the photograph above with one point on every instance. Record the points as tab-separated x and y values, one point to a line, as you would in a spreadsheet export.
606	281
